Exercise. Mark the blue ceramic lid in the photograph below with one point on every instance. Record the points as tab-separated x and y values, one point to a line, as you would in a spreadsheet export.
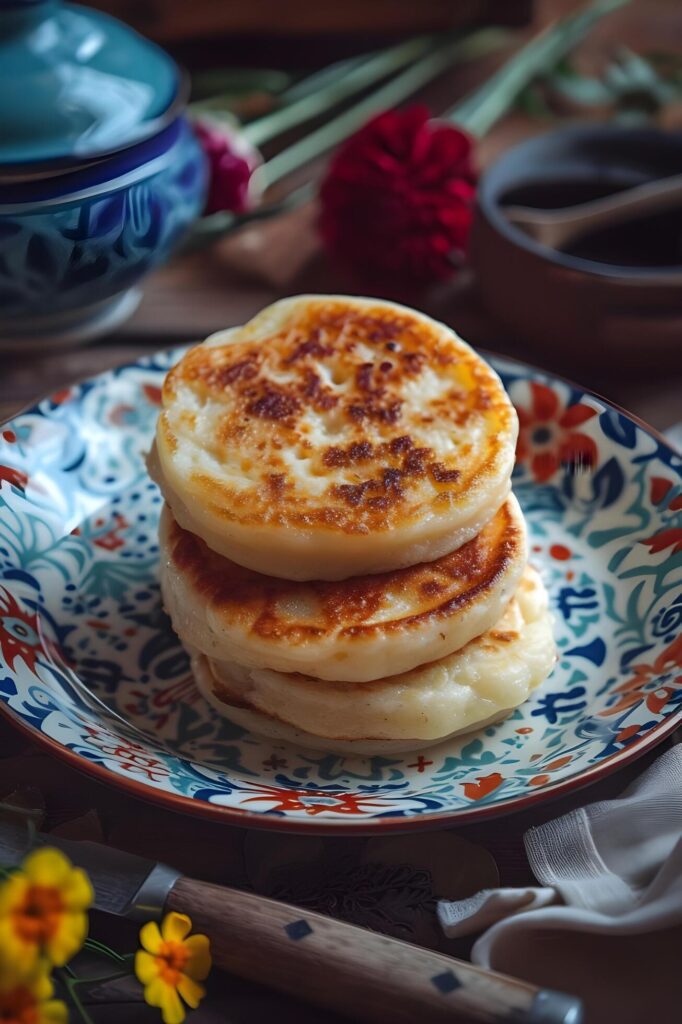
76	84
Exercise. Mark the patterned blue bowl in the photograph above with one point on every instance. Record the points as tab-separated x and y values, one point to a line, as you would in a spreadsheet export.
73	246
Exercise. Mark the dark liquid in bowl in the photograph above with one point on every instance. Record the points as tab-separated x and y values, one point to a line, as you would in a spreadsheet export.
553	195
654	240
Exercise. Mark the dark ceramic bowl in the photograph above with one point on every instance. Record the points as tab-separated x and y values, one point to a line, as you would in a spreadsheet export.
616	300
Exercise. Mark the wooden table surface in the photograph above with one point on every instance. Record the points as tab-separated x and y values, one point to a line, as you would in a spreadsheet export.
200	293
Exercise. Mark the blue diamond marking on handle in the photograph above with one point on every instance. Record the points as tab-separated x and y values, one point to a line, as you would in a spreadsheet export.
446	982
298	929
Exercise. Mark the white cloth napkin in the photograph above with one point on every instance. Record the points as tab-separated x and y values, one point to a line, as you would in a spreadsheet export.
606	922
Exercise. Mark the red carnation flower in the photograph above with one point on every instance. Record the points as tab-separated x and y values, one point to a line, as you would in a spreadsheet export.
397	198
231	160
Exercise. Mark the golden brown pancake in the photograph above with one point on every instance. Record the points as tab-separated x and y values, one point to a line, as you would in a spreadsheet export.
357	629
331	437
479	683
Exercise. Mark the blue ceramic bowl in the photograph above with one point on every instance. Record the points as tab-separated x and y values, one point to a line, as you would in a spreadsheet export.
72	247
100	174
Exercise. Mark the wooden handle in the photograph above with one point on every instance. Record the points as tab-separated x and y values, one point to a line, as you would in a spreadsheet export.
341	967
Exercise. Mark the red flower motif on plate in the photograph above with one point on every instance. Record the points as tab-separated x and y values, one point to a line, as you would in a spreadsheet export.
16	477
130	757
483	785
548	437
313	801
647	685
659	491
553	766
19	636
152	393
665	539
111	540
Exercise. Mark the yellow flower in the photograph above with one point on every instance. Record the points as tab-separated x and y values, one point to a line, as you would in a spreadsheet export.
43	911
170	964
26	998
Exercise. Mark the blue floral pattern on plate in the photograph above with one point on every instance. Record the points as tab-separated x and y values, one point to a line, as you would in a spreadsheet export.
89	663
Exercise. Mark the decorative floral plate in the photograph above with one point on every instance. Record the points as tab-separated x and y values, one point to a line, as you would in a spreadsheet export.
90	667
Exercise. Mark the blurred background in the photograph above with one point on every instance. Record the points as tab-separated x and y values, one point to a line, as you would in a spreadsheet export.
616	332
300	33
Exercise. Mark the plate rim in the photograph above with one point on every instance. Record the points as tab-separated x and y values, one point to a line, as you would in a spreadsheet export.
429	821
268	821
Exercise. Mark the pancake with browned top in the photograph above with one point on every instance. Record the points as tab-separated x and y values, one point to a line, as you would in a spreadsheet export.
478	684
331	437
362	628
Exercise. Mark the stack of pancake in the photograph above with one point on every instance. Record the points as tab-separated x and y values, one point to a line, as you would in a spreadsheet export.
341	553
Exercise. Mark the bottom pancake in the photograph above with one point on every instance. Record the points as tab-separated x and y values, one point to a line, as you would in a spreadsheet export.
476	685
263	725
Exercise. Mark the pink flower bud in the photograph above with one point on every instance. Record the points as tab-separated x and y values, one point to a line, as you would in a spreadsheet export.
232	160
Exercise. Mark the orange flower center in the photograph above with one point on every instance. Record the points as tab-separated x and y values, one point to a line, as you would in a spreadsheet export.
172	956
37	918
18	1006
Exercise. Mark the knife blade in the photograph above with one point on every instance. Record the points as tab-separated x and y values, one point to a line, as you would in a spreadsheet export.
124	884
336	966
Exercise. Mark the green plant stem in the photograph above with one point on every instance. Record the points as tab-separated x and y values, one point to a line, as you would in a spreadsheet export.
99	947
479	111
227	83
70	985
323	77
338	89
101	979
387	96
217	225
